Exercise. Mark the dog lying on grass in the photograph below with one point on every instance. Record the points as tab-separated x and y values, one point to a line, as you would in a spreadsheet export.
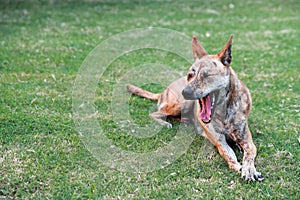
216	101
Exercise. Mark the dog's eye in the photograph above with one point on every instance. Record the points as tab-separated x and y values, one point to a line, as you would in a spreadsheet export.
191	74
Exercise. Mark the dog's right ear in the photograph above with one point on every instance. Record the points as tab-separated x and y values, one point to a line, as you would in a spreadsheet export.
198	50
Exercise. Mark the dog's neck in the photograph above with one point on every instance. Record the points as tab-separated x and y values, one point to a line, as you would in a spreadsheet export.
226	98
234	83
229	72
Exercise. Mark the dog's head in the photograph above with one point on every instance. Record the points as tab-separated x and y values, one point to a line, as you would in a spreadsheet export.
207	76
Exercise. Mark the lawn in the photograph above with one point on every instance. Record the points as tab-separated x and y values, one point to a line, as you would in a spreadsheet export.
44	45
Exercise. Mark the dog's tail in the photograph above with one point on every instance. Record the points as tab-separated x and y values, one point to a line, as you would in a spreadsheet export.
143	93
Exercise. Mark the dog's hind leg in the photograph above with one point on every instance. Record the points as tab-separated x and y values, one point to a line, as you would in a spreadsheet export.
165	110
161	118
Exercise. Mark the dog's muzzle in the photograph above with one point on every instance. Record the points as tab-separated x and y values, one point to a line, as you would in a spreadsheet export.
205	101
188	94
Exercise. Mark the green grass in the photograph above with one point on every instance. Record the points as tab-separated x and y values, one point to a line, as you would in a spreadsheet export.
42	45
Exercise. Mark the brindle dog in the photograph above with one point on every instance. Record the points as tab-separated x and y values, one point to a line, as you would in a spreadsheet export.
216	101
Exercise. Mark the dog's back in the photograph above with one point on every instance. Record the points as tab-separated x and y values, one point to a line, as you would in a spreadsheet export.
170	103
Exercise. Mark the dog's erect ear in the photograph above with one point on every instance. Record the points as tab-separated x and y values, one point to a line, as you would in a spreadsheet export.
225	53
198	50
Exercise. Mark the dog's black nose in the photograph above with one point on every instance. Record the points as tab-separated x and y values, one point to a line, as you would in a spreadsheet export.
188	93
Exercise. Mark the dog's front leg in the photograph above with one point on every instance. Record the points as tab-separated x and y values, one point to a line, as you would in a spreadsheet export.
227	153
249	172
219	141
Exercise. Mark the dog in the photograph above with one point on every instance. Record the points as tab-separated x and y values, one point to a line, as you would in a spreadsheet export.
218	104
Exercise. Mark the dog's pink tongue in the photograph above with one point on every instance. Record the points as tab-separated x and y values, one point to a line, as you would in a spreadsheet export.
206	109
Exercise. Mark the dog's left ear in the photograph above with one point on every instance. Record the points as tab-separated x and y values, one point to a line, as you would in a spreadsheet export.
225	53
198	50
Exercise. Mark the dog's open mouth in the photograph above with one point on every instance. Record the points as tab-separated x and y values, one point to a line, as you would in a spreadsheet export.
207	106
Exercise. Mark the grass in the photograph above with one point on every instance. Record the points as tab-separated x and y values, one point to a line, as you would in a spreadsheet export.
43	44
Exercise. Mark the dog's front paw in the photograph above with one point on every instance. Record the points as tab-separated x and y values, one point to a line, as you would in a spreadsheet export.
249	173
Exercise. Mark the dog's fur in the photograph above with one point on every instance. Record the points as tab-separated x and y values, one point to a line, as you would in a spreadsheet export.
216	101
